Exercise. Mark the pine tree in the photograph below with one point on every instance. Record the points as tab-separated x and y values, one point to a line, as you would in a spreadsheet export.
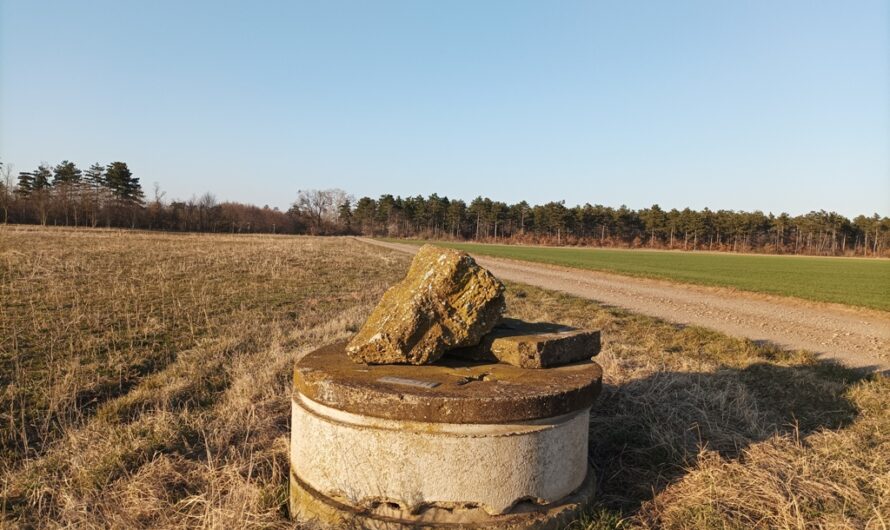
95	176
34	185
95	179
344	214
41	177
66	173
26	183
67	183
125	187
31	181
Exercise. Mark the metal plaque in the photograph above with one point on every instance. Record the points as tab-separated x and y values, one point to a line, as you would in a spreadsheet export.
408	382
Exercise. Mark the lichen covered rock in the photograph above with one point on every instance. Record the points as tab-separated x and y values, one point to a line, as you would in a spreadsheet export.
446	301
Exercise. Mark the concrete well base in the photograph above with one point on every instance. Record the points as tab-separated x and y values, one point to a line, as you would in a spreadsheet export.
325	513
453	445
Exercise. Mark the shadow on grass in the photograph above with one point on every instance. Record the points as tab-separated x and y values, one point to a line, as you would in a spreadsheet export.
646	433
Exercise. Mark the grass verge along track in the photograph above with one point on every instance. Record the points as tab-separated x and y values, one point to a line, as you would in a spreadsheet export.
850	281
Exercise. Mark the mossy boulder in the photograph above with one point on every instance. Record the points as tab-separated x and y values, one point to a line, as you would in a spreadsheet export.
446	301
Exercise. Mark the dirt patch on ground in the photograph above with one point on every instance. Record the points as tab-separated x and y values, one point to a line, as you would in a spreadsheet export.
855	337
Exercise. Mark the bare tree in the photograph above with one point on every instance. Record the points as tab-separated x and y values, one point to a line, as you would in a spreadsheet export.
6	189
155	209
321	207
206	209
158	194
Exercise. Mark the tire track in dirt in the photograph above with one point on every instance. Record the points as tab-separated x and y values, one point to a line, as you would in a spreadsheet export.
855	337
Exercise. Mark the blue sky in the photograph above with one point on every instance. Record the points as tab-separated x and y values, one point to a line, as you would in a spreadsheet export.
771	105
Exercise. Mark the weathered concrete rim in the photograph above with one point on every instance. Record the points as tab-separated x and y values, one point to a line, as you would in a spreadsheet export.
307	504
461	430
466	392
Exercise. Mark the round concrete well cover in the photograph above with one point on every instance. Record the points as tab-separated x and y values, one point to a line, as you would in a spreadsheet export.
450	391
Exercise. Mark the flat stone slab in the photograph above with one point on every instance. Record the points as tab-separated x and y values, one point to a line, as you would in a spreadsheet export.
451	391
533	345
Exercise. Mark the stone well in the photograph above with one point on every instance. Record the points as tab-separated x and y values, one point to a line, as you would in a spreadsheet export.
452	445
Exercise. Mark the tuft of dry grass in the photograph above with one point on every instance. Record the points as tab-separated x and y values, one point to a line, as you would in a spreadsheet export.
831	478
150	373
697	430
145	382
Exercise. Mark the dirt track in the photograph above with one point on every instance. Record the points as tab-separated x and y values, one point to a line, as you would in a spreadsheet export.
856	337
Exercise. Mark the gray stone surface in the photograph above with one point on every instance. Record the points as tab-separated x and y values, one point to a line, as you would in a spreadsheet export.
533	345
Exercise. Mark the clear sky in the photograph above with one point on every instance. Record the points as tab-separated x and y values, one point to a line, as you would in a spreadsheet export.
771	105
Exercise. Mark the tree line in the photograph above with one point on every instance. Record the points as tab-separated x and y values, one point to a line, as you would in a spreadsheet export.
554	223
110	195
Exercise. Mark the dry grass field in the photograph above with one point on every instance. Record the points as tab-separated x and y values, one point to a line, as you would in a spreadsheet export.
145	382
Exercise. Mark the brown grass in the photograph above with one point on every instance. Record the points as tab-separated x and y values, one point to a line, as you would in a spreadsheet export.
698	430
145	382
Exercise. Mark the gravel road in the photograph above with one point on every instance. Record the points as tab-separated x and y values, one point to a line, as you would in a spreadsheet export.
856	337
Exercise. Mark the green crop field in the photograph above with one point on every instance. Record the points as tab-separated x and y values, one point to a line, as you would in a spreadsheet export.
852	281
